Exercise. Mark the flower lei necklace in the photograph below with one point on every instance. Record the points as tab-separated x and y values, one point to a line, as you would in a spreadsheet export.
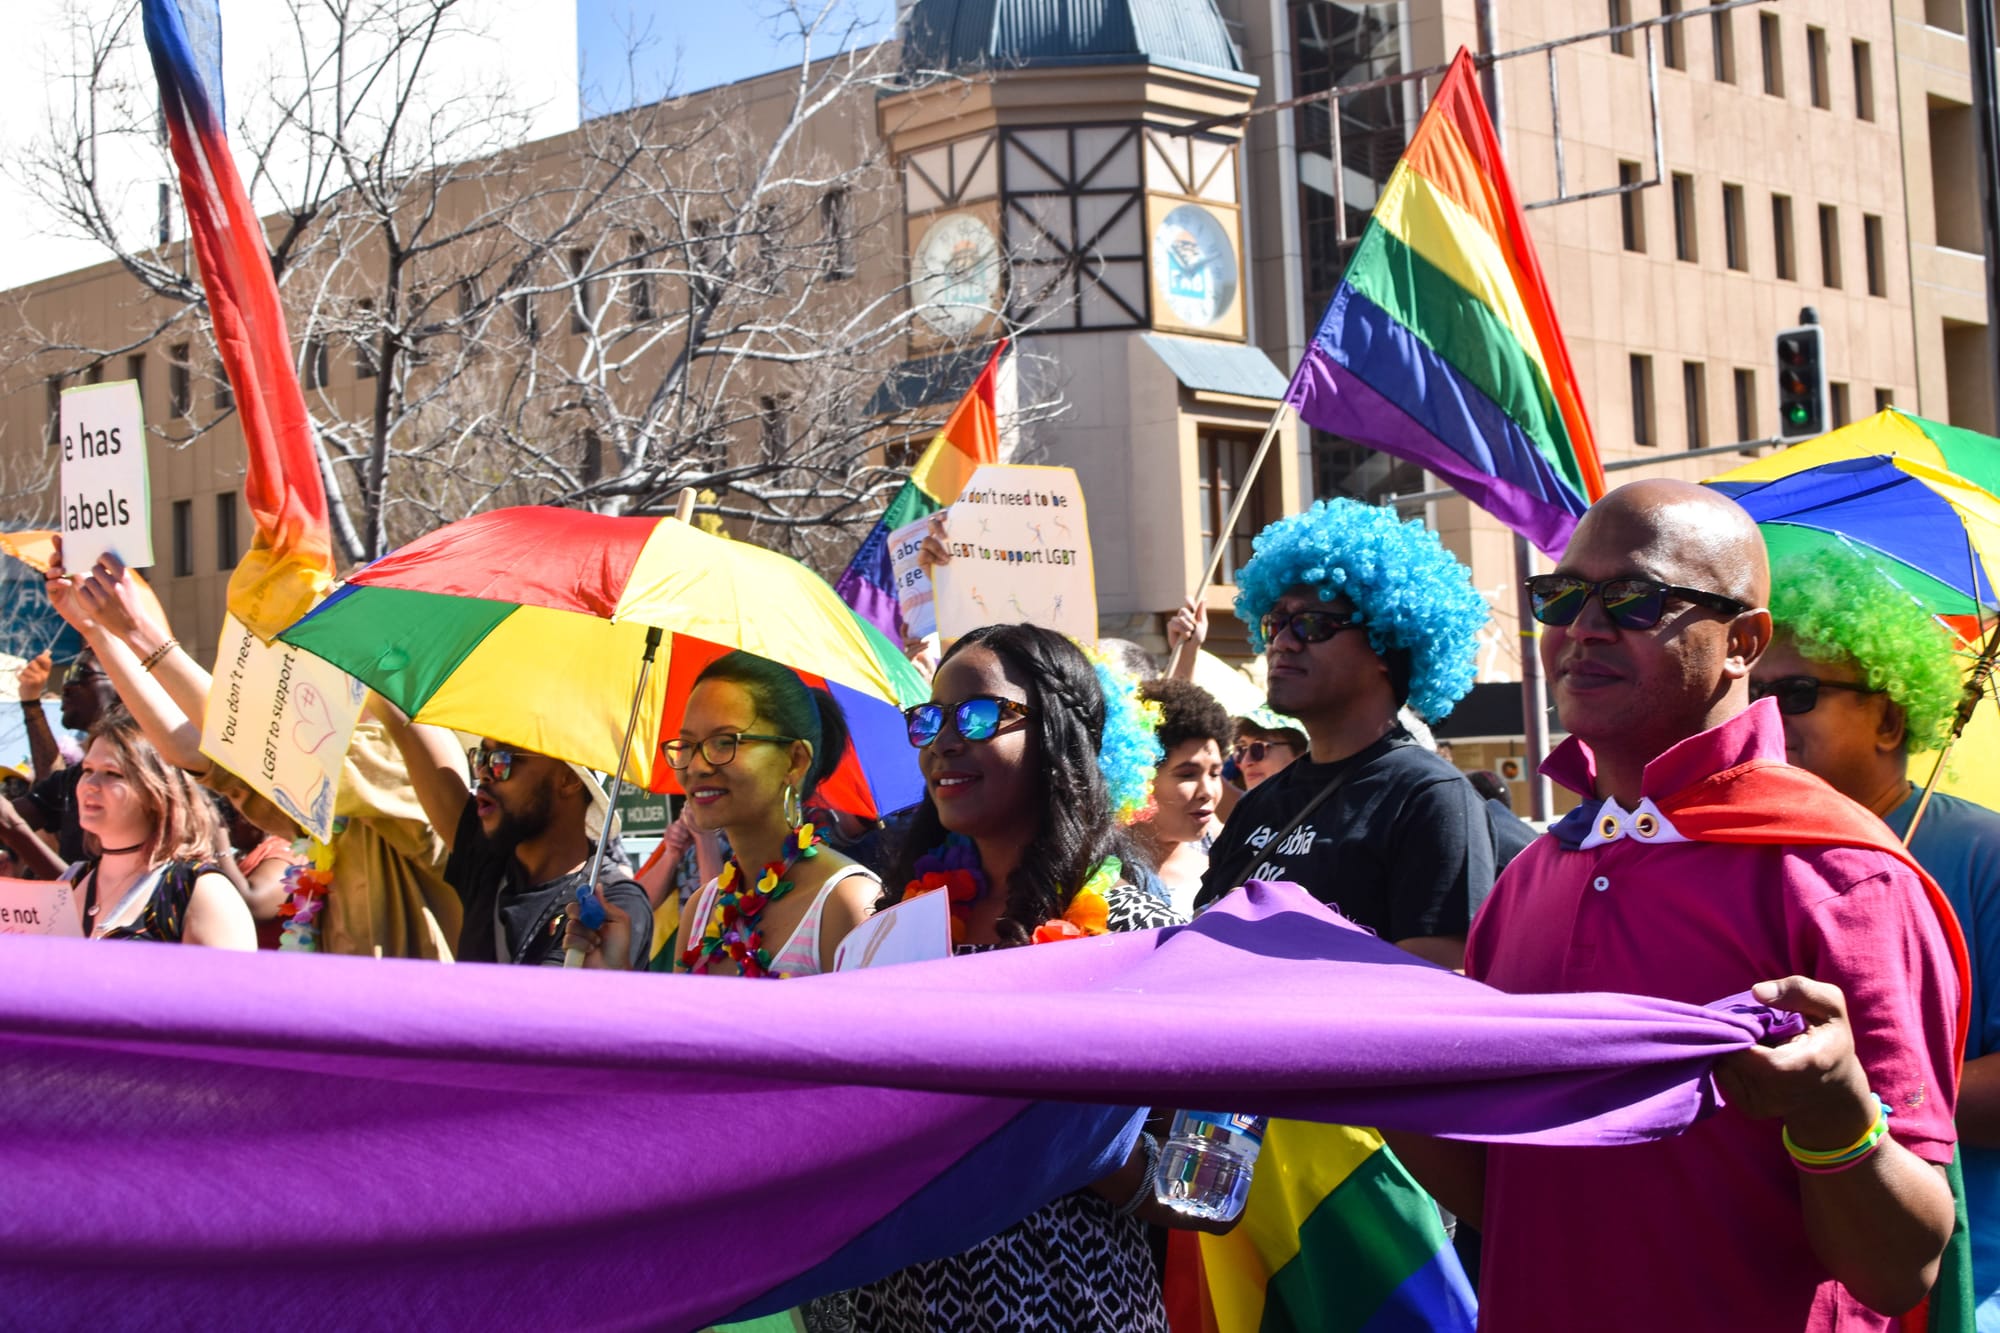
954	867
735	927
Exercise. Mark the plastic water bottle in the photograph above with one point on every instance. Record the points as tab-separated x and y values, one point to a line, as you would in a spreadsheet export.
1207	1162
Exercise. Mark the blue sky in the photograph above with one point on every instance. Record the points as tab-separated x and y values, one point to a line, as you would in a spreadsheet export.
688	45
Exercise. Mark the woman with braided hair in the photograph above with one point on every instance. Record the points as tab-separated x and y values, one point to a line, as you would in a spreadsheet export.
1018	825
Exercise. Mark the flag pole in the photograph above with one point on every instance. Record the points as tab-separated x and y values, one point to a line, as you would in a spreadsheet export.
1244	490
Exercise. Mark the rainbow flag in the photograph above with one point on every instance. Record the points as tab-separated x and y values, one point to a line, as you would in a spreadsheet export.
971	436
290	562
1441	345
1336	1236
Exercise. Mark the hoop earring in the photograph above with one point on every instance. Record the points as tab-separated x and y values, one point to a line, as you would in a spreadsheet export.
795	814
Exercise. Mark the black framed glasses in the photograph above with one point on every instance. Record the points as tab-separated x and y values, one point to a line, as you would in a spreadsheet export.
1800	694
977	719
718	750
496	763
1632	603
1306	626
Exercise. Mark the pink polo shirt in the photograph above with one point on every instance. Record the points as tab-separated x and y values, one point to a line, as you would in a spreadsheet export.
1703	1231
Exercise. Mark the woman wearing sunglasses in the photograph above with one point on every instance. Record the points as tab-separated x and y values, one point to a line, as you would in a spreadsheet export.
153	869
1018	826
753	745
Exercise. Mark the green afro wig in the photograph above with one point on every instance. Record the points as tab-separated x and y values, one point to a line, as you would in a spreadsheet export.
1837	605
1413	595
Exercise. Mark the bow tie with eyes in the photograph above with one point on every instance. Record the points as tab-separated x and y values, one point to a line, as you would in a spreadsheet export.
1611	822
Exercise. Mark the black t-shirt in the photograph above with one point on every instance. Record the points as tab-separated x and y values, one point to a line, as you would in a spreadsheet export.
493	887
1403	847
50	806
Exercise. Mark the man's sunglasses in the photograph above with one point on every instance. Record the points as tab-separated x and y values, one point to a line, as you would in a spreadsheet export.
1558	599
977	719
495	764
1306	626
1254	751
1800	694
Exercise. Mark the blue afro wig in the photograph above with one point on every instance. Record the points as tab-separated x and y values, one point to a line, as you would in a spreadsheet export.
1413	596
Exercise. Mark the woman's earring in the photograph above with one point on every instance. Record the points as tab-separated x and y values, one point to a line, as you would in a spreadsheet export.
795	814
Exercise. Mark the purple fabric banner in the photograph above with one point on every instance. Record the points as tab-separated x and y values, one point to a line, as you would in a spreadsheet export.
205	1140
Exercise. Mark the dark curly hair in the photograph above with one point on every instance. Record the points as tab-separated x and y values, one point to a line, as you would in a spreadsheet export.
1187	713
1076	829
790	705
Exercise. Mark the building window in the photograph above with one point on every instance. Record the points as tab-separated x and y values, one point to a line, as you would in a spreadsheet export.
1631	208
1684	241
579	301
705	259
527	317
1864	81
225	395
1694	403
836	224
1642	401
183	538
1783	254
774	426
1673	48
1774	55
180	381
1735	249
94	373
1946	14
639	286
314	369
1837	397
1829	245
52	433
1871	246
1722	45
226	554
1884	399
1224	460
1817	82
1619	13
135	370
1746	405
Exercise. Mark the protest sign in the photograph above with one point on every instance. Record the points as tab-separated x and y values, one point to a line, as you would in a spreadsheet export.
106	495
39	907
280	719
914	931
1020	553
913	586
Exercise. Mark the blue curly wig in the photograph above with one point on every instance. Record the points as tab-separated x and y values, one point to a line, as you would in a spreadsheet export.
1411	594
1131	753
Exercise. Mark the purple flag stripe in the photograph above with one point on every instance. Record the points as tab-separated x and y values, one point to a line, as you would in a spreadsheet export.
199	1139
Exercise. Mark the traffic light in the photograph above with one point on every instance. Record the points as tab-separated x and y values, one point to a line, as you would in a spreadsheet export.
1801	382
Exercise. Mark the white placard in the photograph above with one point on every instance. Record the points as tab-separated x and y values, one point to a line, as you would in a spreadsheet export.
106	495
39	907
280	719
914	601
915	931
1020	554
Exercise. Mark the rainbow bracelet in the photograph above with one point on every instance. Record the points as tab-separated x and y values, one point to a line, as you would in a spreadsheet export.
1842	1159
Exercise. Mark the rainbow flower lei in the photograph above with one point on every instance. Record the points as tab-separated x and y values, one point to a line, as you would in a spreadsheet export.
306	885
1089	912
735	927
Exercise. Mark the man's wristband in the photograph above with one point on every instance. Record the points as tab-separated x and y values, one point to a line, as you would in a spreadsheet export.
33	708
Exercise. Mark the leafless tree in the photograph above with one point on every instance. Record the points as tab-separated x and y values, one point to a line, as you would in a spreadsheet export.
700	292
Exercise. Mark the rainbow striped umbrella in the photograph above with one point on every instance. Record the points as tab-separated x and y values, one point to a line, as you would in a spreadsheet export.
529	625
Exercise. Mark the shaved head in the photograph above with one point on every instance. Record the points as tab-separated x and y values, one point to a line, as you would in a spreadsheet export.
1678	532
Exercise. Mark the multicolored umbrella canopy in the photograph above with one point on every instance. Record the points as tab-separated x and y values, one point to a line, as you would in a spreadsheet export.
528	625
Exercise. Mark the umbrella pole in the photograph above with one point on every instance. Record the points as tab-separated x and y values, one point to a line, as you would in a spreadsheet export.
585	895
1975	686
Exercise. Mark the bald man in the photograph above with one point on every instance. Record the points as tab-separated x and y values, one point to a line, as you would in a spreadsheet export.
1701	865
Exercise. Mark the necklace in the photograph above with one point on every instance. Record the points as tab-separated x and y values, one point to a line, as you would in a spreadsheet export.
954	867
124	851
735	927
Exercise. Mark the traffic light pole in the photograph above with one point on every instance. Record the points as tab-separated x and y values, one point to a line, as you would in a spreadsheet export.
1986	118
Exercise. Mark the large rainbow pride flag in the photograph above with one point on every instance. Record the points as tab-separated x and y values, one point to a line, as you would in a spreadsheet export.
1441	345
290	562
971	436
200	1139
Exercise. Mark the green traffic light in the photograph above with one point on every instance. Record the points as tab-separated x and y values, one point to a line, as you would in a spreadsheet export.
1799	414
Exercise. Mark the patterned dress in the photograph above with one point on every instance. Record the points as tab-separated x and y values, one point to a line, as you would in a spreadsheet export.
1072	1267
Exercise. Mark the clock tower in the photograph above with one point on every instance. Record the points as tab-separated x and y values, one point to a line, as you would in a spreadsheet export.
1077	185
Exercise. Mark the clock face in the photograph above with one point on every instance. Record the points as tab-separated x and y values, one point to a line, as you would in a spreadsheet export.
1195	265
957	274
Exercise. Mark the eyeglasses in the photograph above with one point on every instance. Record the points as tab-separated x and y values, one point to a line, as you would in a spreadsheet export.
977	719
1558	599
1307	626
1255	751
495	764
719	751
1800	694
